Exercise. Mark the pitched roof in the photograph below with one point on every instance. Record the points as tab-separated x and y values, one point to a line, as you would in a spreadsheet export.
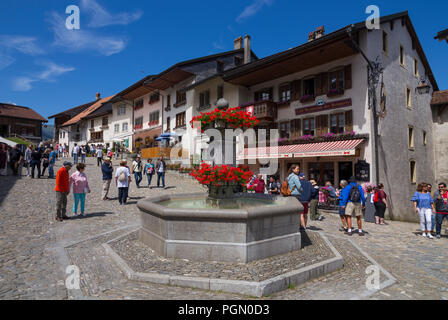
439	97
280	56
105	109
87	111
73	111
442	35
10	110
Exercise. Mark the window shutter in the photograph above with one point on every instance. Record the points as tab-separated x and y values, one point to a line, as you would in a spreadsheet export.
296	86
318	131
296	127
207	97
324	124
348	76
324	82
349	121
318	85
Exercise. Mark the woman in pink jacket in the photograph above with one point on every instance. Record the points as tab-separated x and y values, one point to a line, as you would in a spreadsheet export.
80	187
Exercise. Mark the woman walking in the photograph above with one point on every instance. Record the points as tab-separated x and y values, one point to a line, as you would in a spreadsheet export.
122	180
36	158
80	187
380	201
149	171
370	206
424	207
3	160
28	153
295	187
45	160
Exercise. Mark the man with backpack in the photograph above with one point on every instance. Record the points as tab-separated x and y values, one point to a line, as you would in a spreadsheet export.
353	201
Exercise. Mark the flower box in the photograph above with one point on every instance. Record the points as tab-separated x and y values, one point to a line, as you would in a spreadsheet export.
335	92
221	119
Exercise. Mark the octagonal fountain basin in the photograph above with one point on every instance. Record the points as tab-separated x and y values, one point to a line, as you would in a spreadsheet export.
243	228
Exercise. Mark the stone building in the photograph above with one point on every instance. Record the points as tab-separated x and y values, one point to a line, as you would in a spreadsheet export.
439	107
21	121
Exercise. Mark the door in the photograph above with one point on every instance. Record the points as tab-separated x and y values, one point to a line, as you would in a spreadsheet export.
345	170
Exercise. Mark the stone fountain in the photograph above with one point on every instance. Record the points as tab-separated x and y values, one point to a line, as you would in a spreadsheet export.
221	226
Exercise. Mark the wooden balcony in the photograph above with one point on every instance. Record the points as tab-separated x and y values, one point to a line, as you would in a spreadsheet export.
265	111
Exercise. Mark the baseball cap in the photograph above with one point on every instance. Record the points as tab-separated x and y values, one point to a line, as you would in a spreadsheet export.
67	163
301	175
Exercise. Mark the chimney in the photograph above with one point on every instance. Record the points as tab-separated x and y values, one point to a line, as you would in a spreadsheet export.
311	36
247	50
238	43
320	32
98	96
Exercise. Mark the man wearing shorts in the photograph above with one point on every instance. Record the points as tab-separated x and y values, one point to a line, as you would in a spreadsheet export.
353	201
343	184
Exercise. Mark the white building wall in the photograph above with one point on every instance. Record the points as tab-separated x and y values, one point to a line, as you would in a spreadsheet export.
119	120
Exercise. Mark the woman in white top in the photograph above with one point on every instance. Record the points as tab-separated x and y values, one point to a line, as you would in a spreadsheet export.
122	180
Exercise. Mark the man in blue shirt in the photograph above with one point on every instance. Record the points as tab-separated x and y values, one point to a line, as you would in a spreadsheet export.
107	170
52	161
353	201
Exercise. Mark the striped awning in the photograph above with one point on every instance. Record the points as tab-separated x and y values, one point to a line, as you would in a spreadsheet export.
307	150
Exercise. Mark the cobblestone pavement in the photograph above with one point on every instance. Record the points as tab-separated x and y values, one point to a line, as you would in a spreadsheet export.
35	251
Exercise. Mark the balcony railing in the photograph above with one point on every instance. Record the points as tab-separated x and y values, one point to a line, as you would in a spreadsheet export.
169	153
265	110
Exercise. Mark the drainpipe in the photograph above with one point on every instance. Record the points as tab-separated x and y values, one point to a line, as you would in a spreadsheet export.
374	69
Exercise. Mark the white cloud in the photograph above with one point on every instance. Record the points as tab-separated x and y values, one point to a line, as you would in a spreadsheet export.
83	40
23	44
5	60
49	74
100	17
253	9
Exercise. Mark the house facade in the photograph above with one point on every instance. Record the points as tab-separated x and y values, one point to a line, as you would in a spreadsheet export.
21	121
439	108
317	96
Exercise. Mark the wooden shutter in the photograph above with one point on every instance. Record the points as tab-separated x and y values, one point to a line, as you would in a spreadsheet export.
348	76
296	127
324	82
296	91
349	121
321	125
318	85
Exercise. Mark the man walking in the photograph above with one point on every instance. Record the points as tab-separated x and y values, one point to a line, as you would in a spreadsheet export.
75	153
36	158
62	190
344	227
51	163
107	170
99	156
161	168
314	201
441	200
137	167
353	201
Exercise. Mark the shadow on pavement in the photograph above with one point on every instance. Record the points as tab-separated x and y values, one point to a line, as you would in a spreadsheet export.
91	215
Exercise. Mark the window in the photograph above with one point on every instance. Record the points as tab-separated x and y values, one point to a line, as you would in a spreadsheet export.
424	138
402	56
264	95
181	98
138	104
168	124
154	117
309	126
121	110
219	66
168	100
220	92
413	171
296	127
204	99
105	121
63	134
125	127
385	42
415	67
138	124
180	119
336	81
284	130
285	92
411	137
116	128
308	87
154	98
238	61
337	123
408	98
92	123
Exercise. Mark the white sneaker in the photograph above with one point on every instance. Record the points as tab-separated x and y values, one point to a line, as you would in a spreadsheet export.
430	236
424	235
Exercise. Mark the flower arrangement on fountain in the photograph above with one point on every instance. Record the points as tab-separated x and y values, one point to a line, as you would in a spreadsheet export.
231	118
222	175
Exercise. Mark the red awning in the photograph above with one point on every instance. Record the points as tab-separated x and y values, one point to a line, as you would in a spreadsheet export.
321	149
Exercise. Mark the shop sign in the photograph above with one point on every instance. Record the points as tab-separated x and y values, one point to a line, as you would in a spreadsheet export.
362	171
324	106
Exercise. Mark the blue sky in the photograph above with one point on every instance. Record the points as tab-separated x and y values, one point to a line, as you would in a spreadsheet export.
48	68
